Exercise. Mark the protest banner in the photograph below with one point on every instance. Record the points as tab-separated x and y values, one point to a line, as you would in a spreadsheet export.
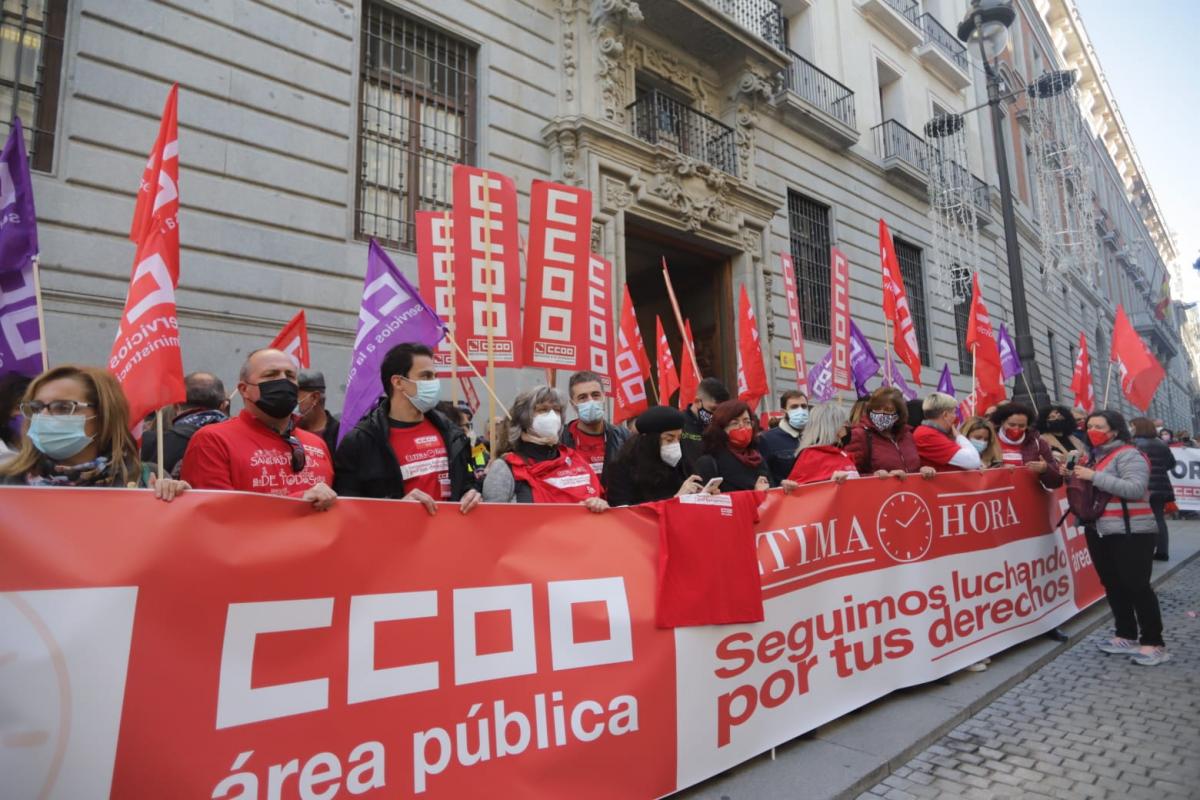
234	645
1185	478
435	281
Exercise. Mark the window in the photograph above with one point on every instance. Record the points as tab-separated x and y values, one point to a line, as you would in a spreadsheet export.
891	99
416	120
1054	376
808	231
913	273
31	56
962	321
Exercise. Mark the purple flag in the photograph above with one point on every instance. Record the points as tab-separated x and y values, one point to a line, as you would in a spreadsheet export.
863	365
1010	362
946	386
898	380
392	313
20	334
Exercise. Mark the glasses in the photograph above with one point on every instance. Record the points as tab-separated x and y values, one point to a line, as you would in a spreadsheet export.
298	457
55	408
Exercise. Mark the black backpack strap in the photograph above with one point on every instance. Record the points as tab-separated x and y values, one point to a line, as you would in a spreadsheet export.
1125	515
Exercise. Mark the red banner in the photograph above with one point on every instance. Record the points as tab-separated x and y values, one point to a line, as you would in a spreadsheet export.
293	340
631	365
839	317
435	279
988	377
599	355
556	276
1139	371
1081	378
232	646
668	378
487	266
751	373
793	308
895	305
146	356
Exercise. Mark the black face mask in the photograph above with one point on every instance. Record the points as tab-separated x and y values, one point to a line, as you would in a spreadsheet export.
277	398
1061	427
705	416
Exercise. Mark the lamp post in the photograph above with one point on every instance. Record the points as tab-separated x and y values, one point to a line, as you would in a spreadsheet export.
987	23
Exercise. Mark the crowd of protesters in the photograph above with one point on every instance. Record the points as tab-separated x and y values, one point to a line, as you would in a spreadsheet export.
70	427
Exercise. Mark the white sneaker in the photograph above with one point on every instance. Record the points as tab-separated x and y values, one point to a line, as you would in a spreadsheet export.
1150	656
1118	646
978	666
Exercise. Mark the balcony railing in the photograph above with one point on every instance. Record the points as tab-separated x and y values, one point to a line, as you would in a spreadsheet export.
818	88
909	9
894	141
763	18
660	119
942	39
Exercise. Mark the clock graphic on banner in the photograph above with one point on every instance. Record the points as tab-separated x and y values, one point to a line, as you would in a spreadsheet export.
905	527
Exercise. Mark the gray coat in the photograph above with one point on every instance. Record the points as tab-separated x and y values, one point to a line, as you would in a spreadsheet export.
1126	477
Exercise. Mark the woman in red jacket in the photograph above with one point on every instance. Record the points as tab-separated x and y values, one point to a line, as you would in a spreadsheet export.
821	455
881	444
1021	445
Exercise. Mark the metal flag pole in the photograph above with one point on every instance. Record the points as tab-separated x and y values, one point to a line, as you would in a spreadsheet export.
41	313
679	319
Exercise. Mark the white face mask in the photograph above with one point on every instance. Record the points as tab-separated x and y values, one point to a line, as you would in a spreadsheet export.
671	453
546	425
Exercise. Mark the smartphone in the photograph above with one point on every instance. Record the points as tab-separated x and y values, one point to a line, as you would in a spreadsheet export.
712	485
1071	461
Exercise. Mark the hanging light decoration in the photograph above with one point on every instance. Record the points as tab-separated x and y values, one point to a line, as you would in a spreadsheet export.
955	250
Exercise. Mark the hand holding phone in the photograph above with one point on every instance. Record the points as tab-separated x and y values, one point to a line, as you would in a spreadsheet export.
713	486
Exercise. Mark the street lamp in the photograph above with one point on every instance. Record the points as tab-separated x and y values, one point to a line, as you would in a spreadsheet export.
987	24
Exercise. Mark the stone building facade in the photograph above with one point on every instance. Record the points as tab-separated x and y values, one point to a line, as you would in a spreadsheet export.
718	134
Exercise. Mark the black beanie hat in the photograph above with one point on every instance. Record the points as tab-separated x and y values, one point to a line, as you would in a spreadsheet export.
658	419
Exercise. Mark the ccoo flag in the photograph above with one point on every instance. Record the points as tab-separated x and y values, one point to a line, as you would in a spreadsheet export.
20	333
751	374
293	340
391	313
1140	371
668	378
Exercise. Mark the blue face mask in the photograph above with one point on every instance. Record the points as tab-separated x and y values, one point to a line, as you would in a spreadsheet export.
428	394
590	411
979	444
59	437
798	417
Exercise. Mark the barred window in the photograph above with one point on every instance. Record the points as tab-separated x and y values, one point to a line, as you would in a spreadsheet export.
808	231
417	99
31	57
913	273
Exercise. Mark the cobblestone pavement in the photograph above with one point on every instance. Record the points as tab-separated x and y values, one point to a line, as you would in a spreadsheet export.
1086	725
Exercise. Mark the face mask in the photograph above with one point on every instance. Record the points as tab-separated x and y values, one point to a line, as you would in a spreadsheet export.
428	394
1166	437
546	425
1012	435
59	437
277	398
798	418
705	416
740	437
979	444
590	411
1099	438
671	453
882	421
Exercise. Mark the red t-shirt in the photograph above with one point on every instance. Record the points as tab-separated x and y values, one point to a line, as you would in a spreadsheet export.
935	448
421	454
589	446
1011	453
818	463
246	455
708	560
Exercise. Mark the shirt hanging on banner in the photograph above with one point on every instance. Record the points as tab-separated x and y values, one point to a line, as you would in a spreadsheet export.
20	336
793	308
435	277
556	278
599	357
839	319
487	266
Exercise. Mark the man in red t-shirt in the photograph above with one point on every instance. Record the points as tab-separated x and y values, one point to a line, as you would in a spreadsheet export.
261	450
403	448
939	443
590	435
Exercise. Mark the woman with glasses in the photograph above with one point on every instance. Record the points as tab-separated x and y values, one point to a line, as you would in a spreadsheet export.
730	450
78	435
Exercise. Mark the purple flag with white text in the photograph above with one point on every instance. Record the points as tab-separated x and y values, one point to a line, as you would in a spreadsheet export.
392	313
20	335
863	365
946	386
1010	362
898	380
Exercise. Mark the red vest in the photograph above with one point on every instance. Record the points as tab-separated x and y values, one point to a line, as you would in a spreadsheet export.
1117	510
566	479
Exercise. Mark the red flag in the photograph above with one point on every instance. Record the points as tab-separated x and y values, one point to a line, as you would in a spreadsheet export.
293	340
599	314
631	366
556	273
751	374
689	374
797	331
839	318
487	301
1081	378
668	380
146	357
981	341
1139	370
435	277
895	305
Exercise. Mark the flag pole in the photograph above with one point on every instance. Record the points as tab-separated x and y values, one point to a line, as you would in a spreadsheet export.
679	319
887	352
1107	381
447	252
974	379
491	330
491	392
1028	391
158	433
41	313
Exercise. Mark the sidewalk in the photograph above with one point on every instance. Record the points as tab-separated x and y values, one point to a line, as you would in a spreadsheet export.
855	753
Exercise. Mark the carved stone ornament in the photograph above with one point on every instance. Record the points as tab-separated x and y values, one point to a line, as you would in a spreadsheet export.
671	68
612	71
614	193
698	192
568	145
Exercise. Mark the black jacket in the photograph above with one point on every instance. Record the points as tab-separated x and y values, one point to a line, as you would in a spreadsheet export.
177	436
1162	461
626	489
330	434
779	450
614	437
737	476
365	466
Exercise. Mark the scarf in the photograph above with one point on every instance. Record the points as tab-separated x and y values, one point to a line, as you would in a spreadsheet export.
90	473
750	457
